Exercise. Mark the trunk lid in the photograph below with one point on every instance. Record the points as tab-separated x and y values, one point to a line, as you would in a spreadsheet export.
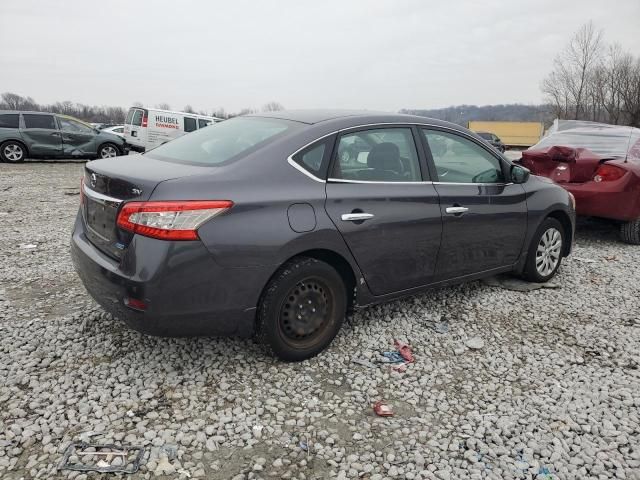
110	182
562	164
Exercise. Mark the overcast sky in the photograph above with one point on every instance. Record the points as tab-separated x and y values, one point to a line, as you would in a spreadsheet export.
382	55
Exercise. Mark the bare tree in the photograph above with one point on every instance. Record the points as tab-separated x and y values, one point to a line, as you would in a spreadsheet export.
188	109
272	107
163	106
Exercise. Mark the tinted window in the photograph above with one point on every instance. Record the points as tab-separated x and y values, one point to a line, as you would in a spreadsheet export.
223	141
129	116
203	123
459	160
311	158
137	118
73	126
383	155
10	120
190	124
39	121
486	136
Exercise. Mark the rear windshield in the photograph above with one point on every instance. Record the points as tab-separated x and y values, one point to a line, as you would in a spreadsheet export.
224	141
129	116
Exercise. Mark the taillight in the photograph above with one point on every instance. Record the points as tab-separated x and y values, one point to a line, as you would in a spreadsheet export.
144	119
178	220
608	173
82	191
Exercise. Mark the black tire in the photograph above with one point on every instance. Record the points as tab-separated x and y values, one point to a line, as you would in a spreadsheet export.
109	147
532	272
13	152
630	232
315	291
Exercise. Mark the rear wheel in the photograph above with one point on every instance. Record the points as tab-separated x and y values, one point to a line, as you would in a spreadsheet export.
545	252
108	150
630	232
13	152
302	309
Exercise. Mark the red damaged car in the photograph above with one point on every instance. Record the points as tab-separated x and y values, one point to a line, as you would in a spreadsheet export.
599	164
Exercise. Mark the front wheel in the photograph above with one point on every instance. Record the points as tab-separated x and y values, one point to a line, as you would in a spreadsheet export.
302	309
545	252
108	150
630	232
12	152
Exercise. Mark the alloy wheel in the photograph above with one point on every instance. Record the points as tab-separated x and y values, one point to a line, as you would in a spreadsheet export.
108	152
13	152
548	251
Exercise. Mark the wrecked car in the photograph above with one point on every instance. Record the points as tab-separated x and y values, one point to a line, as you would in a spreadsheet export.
258	224
46	135
599	164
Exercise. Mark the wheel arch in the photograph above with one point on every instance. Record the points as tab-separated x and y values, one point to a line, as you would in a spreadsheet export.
331	257
16	140
567	225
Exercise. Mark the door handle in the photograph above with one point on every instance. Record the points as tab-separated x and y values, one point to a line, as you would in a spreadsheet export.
456	210
356	217
55	134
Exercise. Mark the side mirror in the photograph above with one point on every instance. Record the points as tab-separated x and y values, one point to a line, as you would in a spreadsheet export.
519	174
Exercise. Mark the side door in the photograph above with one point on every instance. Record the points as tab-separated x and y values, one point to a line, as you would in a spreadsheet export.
484	216
381	200
41	134
78	139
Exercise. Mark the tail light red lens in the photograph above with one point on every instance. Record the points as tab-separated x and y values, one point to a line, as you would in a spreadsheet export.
608	173
177	220
144	119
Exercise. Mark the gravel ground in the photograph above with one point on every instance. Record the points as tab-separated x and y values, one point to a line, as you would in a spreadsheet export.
505	384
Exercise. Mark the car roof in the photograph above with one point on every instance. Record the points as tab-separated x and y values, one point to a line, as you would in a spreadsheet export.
355	117
26	111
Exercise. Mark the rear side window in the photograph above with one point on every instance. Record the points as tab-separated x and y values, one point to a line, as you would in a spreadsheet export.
311	159
136	120
39	121
378	155
203	123
190	124
225	141
10	120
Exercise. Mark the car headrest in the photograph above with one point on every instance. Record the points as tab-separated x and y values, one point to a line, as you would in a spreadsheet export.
385	156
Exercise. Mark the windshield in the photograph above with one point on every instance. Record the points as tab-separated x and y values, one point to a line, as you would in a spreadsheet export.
223	142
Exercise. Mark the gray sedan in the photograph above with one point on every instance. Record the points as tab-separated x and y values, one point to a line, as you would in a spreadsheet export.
261	225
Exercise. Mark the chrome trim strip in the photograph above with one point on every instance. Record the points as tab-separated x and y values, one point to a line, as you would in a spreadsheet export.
99	197
475	184
293	163
341	180
356	127
455	210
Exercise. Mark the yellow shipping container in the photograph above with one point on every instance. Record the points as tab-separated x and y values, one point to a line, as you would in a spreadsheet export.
512	134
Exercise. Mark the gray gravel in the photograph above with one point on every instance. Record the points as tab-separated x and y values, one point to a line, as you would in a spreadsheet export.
506	384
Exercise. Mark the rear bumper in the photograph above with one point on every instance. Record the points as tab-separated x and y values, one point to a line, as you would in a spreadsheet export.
614	200
186	292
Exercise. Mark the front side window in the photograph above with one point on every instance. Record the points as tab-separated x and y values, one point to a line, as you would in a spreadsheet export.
190	124
39	121
458	160
72	126
224	141
9	120
380	155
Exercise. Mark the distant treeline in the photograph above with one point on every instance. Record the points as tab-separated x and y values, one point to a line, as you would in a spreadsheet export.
88	113
462	114
104	114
